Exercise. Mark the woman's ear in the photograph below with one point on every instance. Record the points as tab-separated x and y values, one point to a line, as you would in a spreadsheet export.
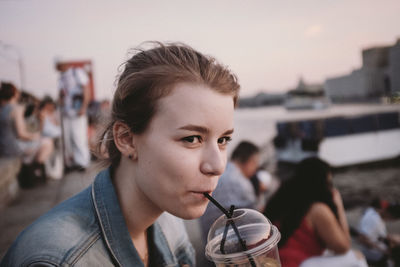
123	139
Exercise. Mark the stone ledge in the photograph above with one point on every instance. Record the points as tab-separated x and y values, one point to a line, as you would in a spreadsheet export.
9	187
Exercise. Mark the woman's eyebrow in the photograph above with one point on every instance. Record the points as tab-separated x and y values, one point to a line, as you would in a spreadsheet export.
195	128
228	132
201	129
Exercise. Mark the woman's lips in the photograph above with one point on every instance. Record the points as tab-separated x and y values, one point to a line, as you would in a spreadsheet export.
203	192
200	194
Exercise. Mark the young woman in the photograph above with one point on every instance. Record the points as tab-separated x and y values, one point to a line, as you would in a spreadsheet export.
310	215
172	117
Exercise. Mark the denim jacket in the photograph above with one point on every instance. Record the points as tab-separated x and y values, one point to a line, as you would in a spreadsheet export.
89	230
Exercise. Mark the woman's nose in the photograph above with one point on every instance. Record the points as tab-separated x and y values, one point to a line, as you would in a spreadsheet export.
214	161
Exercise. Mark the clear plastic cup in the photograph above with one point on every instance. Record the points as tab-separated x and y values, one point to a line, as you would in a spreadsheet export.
253	242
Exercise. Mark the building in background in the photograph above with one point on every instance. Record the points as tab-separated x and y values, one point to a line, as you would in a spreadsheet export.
378	77
262	99
394	68
303	96
306	96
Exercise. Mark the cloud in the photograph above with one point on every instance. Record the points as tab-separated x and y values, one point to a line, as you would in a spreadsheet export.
313	30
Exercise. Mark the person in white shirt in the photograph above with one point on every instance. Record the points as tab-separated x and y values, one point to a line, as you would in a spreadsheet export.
74	96
376	243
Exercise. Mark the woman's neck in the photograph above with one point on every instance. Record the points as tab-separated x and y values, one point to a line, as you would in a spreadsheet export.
138	210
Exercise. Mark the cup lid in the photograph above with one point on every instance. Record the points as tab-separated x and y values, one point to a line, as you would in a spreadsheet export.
247	232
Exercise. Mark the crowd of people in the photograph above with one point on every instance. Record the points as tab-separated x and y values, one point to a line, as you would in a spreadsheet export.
164	147
25	132
46	135
308	210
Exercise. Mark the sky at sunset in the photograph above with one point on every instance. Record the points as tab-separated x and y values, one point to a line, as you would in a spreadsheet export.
268	44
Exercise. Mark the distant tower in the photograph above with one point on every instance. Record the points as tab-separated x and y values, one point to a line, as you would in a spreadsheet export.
301	85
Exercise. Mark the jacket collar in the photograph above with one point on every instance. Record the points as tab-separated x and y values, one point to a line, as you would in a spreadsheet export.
114	228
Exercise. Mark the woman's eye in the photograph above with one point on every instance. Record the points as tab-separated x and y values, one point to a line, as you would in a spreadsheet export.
194	139
224	140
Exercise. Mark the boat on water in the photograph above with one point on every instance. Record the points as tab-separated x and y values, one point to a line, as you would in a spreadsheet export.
342	135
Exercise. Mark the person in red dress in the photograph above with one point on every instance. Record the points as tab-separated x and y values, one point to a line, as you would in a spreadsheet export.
309	213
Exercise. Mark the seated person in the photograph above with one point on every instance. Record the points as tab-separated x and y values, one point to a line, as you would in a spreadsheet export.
48	117
376	243
15	139
310	215
234	186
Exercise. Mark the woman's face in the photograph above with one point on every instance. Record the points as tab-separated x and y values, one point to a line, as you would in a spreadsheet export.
183	152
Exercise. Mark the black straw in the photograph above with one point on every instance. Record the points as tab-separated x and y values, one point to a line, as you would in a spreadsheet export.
228	222
232	223
217	204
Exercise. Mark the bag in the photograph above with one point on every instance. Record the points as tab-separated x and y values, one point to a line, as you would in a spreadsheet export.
31	175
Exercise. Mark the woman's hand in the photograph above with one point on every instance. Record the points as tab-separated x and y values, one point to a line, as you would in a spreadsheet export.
337	198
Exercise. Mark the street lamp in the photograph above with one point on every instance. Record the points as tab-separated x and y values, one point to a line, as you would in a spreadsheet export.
5	46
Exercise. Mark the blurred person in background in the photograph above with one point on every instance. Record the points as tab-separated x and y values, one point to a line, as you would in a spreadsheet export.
94	125
15	140
105	109
234	186
49	119
310	215
74	99
98	112
379	246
